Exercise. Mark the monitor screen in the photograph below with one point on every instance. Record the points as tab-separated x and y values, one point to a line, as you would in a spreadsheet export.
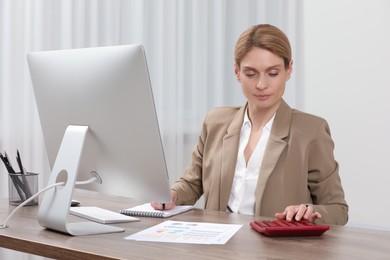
107	89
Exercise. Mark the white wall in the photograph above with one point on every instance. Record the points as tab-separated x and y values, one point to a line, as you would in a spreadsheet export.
346	62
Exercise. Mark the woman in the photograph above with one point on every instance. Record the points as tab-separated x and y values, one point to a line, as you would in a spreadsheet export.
264	158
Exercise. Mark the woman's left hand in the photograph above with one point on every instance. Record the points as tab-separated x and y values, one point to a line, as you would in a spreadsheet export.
299	212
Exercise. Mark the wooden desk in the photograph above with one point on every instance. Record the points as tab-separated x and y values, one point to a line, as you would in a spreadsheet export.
26	235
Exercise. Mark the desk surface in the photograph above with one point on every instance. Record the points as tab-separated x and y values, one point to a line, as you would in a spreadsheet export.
26	235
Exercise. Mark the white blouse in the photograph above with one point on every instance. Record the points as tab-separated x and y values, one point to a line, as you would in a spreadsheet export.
242	196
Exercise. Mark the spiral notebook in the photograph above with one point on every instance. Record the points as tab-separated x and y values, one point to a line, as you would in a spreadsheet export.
146	210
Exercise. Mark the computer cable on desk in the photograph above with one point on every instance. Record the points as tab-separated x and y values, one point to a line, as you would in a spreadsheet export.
95	178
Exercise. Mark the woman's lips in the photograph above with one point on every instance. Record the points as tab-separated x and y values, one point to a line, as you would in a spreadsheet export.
262	97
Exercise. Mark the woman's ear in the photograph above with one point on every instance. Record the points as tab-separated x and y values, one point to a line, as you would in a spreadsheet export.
290	69
237	72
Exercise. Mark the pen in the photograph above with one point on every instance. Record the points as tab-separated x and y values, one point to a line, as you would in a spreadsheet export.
17	182
25	186
6	162
22	171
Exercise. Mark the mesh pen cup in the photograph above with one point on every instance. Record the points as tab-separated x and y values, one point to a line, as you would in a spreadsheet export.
21	187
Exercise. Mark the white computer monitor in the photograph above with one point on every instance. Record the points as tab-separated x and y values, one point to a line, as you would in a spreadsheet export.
107	90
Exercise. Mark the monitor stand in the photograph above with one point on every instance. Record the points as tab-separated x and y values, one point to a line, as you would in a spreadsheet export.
54	208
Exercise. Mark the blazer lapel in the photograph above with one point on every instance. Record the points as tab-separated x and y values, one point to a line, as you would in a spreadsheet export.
229	157
275	146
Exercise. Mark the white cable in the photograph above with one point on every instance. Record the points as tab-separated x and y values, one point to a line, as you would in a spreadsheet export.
93	179
4	225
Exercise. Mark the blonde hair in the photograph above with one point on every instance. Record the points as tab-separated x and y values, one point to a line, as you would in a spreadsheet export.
263	36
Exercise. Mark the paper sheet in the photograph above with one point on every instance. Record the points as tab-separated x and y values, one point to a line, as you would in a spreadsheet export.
187	232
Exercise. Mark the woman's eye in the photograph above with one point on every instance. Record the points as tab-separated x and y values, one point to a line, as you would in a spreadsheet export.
250	74
273	74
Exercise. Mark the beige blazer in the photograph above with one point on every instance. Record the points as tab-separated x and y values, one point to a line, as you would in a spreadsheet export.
298	165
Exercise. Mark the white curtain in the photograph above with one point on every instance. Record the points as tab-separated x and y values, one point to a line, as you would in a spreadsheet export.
189	46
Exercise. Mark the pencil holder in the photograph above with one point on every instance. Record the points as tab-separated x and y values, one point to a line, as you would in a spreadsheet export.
21	187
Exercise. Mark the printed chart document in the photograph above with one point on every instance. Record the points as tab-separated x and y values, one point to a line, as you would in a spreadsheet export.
187	232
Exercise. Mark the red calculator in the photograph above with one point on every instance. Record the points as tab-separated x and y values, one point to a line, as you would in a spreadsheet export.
284	228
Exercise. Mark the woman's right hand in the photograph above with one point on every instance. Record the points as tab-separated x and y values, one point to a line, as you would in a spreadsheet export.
165	206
